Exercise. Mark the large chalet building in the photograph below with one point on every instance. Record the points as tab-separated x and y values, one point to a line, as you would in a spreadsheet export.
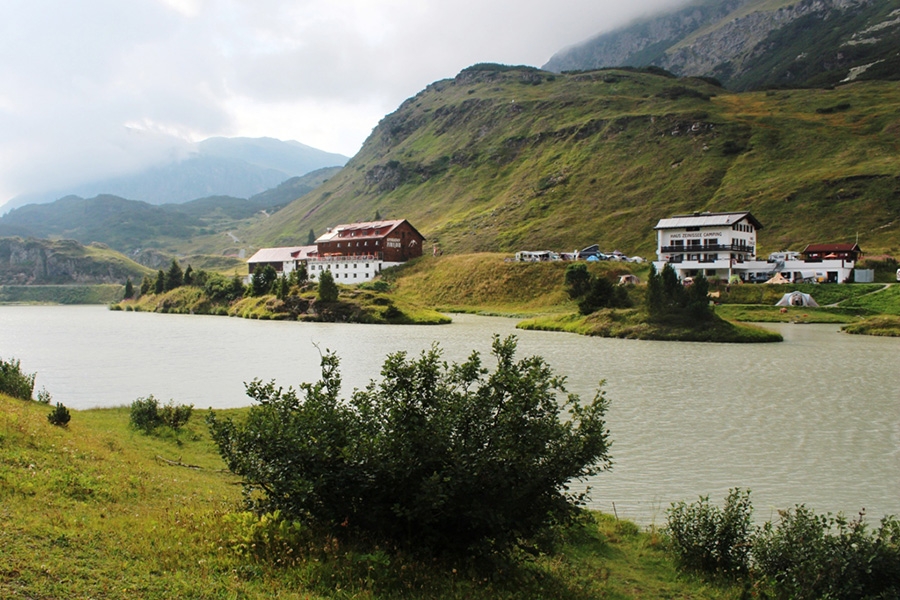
724	245
354	252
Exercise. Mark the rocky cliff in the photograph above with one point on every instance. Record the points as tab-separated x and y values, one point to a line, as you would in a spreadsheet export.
30	261
754	43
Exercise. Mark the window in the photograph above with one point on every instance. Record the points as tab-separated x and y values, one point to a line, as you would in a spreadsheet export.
692	229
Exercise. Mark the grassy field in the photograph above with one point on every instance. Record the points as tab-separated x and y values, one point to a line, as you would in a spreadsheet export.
61	294
97	510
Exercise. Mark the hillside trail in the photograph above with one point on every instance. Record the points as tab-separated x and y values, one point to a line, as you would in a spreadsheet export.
886	286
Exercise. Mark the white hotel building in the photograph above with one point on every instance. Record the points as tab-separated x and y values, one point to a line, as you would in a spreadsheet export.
723	245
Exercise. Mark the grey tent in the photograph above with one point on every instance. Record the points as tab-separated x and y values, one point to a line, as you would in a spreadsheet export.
796	299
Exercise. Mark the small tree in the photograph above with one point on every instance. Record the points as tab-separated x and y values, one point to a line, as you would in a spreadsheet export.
160	286
174	276
311	238
436	457
129	289
146	285
578	280
263	280
698	299
189	275
328	290
301	275
59	416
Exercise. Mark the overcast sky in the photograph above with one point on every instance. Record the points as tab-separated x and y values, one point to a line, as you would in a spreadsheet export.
93	88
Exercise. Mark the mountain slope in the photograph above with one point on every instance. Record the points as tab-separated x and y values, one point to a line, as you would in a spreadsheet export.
238	167
504	159
130	225
752	44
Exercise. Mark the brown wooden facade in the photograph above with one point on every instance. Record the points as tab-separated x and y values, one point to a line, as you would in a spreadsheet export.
818	252
390	241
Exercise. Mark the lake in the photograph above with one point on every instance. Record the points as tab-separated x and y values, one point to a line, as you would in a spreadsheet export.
813	420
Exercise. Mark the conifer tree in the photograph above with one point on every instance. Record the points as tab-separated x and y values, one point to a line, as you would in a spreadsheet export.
328	290
174	277
129	289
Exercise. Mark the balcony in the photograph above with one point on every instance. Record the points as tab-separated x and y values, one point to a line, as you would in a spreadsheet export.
710	248
371	257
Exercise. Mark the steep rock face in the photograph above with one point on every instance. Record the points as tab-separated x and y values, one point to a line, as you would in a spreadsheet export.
643	42
751	43
738	41
29	261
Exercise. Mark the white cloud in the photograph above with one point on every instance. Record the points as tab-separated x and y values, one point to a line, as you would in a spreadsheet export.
98	87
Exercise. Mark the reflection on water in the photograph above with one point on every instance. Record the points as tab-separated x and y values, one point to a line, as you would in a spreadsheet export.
813	420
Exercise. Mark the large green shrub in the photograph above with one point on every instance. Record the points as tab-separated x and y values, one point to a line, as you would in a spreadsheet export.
803	556
14	382
810	556
712	539
435	457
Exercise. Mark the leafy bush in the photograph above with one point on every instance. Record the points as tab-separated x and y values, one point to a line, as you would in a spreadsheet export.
44	396
147	414
803	556
712	539
59	416
433	457
14	382
175	416
821	556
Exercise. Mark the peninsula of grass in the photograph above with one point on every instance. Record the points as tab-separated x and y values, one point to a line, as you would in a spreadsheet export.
883	325
354	305
99	510
755	313
634	324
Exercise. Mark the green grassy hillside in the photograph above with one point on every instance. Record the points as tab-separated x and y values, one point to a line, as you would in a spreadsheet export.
98	510
502	159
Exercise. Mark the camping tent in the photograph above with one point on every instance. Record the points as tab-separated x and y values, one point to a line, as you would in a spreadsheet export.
777	278
796	299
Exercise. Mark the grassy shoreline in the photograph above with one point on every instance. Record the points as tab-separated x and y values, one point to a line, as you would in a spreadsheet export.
632	324
95	511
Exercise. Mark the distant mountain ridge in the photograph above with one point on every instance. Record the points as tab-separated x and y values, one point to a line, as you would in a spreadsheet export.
129	226
239	167
753	44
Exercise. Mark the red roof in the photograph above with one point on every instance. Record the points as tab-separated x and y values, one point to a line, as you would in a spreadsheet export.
361	231
819	248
